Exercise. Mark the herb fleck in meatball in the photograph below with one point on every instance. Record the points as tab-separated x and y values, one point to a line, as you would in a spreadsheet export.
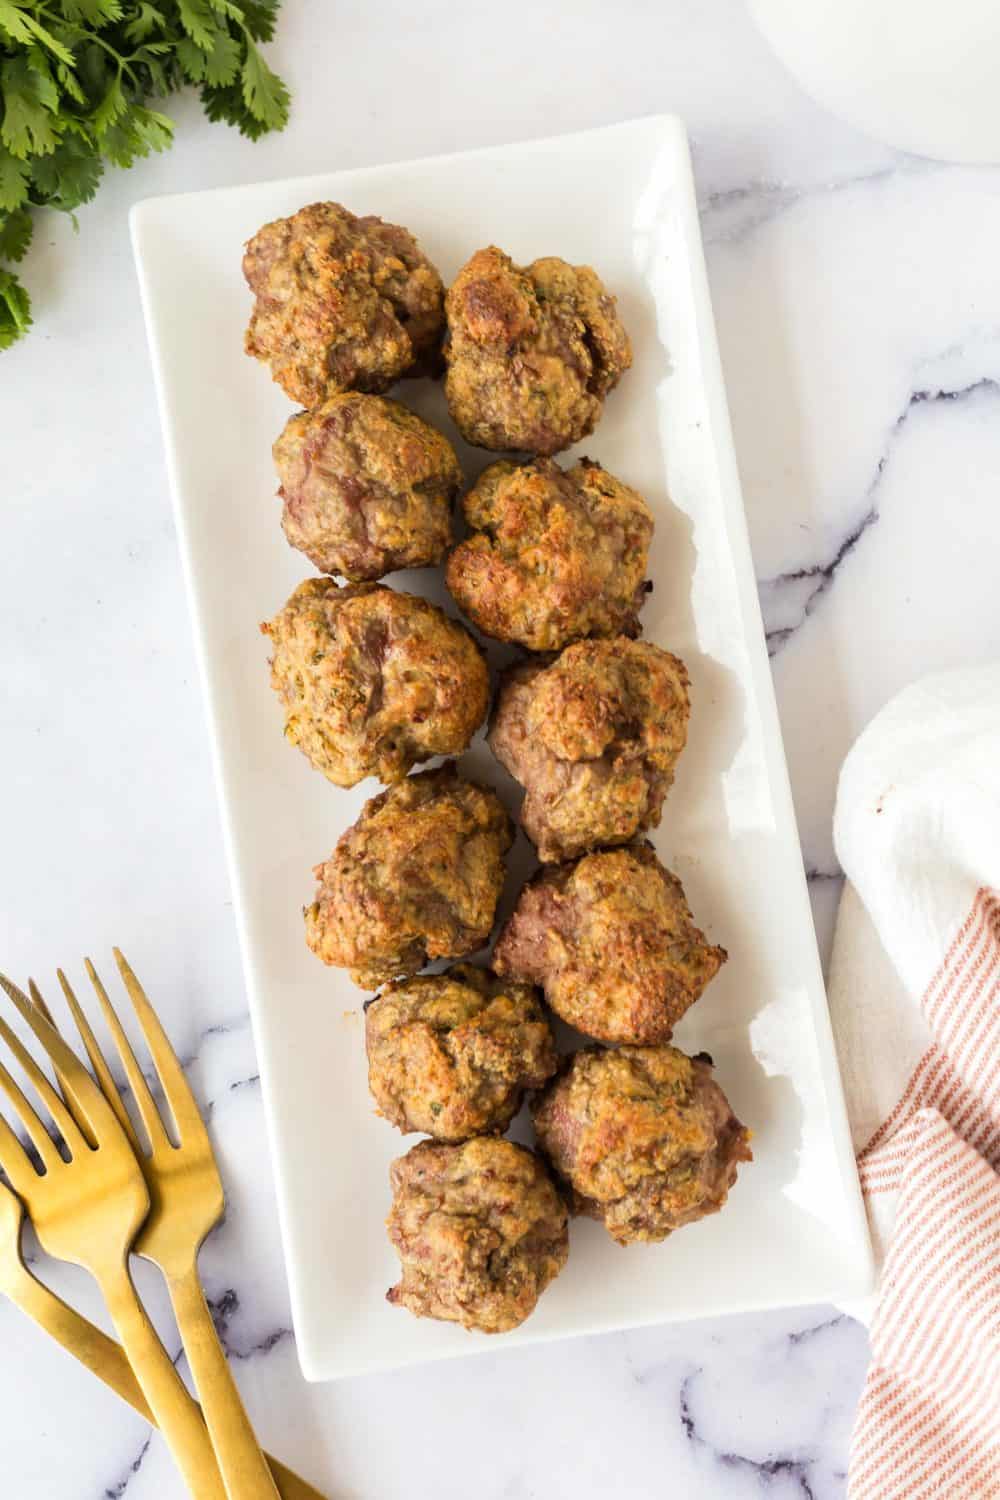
645	1138
342	303
373	681
451	1054
532	352
611	942
367	487
553	554
417	877
593	739
480	1230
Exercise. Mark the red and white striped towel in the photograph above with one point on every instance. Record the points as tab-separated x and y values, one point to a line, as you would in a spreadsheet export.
915	1000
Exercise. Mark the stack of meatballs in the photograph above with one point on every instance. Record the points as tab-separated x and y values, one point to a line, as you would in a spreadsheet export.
589	720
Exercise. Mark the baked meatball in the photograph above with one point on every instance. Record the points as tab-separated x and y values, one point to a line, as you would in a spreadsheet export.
451	1054
417	877
644	1136
593	739
373	681
342	303
553	554
532	352
611	942
367	487
480	1230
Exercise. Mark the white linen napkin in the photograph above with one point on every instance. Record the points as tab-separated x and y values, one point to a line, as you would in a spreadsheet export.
915	1002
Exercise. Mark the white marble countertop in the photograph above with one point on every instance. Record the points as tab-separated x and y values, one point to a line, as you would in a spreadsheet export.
859	313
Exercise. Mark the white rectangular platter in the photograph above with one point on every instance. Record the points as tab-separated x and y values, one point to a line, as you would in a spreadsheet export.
620	199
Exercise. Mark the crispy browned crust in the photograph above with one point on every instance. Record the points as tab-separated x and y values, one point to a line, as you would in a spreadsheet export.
593	739
373	681
452	1054
611	941
532	351
553	554
342	303
367	487
644	1136
480	1230
417	877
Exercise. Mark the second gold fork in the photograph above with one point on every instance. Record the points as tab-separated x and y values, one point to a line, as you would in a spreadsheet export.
186	1203
91	1346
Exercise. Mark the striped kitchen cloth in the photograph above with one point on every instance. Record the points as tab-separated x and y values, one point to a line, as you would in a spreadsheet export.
915	1002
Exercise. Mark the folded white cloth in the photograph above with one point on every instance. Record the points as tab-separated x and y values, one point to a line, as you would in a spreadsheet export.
915	1001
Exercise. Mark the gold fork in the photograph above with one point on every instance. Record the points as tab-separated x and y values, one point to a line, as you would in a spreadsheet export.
88	1210
69	1328
186	1203
79	1337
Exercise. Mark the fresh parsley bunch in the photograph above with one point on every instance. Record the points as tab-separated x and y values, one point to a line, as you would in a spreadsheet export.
76	80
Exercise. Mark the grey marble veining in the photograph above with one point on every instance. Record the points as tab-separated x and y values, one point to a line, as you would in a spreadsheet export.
788	599
859	317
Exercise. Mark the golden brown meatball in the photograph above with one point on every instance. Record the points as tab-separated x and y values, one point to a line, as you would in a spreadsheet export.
451	1054
367	487
593	739
532	352
373	681
342	303
417	877
611	942
554	554
480	1230
645	1138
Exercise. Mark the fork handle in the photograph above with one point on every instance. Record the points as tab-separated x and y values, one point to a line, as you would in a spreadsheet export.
245	1472
169	1400
106	1359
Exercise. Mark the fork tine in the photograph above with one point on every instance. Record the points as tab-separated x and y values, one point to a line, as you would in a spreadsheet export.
99	1064
31	1120
41	1005
86	1096
145	1103
65	1123
14	1161
39	1002
176	1089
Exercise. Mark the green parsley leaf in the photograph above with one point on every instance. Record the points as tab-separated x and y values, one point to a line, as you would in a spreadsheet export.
69	83
139	132
16	230
48	89
227	105
199	22
14	176
259	18
144	23
14	22
264	94
29	126
111	107
193	60
56	47
93	13
156	131
223	62
23	27
70	176
15	309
